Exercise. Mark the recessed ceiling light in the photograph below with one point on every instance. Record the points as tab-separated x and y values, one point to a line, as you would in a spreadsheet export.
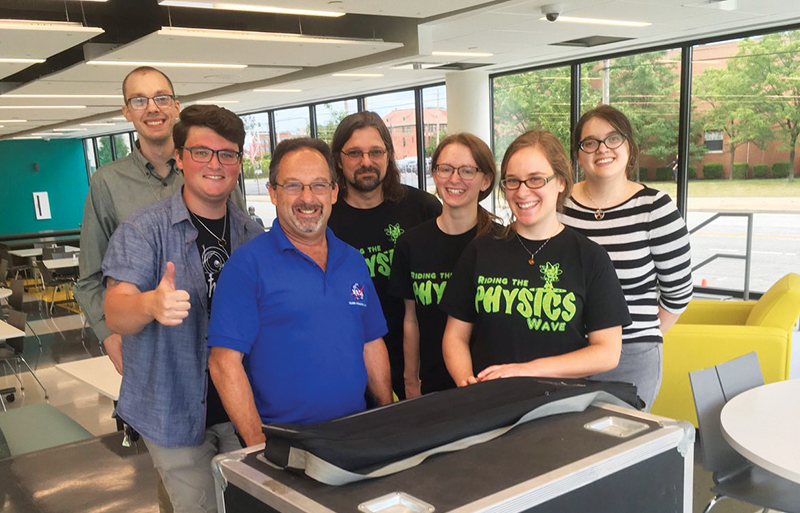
216	102
119	118
13	120
11	60
70	129
598	21
98	124
44	134
42	106
92	96
25	137
167	64
462	54
224	6
367	75
249	35
58	26
277	90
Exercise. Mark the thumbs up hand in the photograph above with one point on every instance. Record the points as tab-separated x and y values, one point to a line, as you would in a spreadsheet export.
168	305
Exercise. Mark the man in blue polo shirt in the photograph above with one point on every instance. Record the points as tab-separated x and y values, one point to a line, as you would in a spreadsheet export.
296	325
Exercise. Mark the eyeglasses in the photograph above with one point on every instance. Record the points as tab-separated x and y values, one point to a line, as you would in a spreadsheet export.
591	145
297	188
446	170
204	155
140	102
374	154
534	182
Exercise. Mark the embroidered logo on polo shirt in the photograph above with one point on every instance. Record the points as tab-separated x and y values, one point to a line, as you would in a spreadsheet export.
357	293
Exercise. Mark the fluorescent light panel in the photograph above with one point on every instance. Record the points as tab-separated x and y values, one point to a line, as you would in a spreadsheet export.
57	26
70	129
25	138
599	21
98	124
13	60
13	120
462	54
249	35
216	102
277	90
92	96
167	64
367	75
42	106
224	6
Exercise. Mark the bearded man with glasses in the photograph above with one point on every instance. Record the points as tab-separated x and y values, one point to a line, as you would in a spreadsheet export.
160	272
375	208
300	305
120	188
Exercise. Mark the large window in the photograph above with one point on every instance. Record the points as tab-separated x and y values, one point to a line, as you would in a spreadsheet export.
535	100
746	105
434	120
104	152
255	165
329	115
91	161
399	112
291	123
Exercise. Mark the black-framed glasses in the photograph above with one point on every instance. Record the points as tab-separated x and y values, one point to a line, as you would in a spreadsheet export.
140	102
204	155
374	154
534	182
591	145
296	188
465	172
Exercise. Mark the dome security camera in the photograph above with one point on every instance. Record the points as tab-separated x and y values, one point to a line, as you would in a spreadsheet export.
552	11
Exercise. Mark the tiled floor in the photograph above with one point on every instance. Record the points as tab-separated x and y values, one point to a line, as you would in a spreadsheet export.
100	475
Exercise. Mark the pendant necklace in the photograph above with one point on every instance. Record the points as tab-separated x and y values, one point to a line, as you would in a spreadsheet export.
531	260
599	213
221	242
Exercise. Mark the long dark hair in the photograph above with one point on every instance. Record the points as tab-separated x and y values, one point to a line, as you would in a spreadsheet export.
485	160
621	124
393	189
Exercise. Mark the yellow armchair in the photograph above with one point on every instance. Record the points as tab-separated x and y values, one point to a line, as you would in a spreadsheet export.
711	332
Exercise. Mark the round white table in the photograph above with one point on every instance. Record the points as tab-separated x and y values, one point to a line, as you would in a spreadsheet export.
763	425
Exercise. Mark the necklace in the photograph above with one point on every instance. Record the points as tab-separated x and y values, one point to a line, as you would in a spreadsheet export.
531	260
598	213
221	242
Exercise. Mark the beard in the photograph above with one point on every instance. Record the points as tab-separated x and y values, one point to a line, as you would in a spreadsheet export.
366	183
308	225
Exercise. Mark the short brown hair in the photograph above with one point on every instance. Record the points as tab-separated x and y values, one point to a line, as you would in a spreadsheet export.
221	120
392	186
142	70
553	151
621	124
287	146
484	158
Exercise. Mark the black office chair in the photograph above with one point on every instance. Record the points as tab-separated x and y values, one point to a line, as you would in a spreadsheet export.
12	349
734	476
13	267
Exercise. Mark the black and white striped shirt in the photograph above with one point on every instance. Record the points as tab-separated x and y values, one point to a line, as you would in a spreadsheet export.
647	240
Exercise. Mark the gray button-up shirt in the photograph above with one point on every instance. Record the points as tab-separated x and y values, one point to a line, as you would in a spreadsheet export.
164	384
117	190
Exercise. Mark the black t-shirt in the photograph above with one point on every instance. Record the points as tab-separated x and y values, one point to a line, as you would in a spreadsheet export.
423	262
213	257
374	232
522	312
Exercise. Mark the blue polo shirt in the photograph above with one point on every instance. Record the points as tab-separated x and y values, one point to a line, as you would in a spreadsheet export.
302	329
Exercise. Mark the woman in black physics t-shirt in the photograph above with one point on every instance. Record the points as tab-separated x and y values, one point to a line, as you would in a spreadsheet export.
464	173
541	300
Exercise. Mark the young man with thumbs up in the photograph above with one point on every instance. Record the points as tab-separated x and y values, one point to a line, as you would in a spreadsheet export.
160	273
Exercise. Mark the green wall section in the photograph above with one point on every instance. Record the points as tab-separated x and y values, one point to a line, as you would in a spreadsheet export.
62	174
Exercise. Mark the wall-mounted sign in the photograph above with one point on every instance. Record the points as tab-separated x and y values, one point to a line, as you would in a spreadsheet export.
41	204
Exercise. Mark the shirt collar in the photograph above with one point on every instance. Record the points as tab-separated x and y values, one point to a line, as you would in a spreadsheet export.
147	168
284	244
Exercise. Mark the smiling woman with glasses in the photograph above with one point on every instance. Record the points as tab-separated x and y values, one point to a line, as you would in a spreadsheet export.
464	173
538	299
644	233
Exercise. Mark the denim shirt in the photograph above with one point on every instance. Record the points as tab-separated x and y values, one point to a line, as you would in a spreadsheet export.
164	384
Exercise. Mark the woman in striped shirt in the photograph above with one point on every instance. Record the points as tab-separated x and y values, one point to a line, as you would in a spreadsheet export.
644	235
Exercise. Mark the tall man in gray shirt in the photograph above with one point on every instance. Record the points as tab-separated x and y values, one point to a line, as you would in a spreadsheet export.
120	188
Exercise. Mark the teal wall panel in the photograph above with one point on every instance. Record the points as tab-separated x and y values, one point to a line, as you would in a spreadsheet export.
62	174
